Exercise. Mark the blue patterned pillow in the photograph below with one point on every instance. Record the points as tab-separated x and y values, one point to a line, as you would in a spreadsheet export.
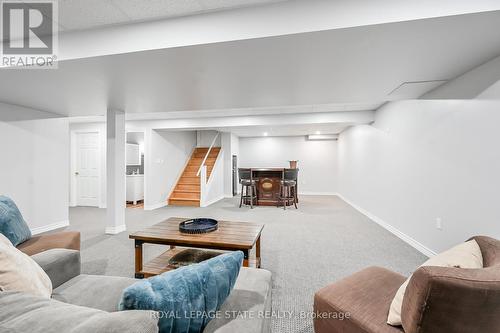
12	224
186	298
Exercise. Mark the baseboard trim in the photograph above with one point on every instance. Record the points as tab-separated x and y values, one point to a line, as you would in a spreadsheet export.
401	235
115	230
318	193
155	206
206	204
49	227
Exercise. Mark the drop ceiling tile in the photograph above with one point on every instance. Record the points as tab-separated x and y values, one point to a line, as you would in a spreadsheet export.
153	9
60	27
87	14
82	14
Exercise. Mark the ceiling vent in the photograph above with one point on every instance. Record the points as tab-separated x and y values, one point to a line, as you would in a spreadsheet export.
411	90
318	137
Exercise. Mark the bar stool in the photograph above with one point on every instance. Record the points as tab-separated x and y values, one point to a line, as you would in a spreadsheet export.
288	187
247	182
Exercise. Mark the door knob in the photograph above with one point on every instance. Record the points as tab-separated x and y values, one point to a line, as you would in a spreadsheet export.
77	173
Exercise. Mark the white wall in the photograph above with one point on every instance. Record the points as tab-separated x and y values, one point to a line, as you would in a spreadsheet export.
317	159
472	84
230	145
205	138
493	92
167	153
213	190
423	160
82	128
34	170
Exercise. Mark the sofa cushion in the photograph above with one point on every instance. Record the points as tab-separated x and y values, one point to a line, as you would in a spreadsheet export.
358	303
94	291
464	255
251	294
187	297
58	240
26	313
12	224
18	272
61	265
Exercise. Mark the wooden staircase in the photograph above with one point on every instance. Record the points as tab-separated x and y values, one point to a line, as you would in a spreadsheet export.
187	189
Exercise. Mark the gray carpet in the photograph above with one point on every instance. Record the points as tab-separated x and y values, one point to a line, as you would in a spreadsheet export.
305	249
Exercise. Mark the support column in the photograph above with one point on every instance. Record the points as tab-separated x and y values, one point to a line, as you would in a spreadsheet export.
115	172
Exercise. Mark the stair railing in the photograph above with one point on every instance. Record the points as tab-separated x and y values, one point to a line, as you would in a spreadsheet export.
206	156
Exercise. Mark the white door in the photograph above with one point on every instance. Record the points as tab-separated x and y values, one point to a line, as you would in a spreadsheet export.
87	169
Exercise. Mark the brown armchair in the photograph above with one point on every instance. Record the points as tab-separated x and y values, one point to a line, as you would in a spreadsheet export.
437	299
63	240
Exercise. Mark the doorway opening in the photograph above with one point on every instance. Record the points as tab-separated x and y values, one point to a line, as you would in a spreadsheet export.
134	154
86	169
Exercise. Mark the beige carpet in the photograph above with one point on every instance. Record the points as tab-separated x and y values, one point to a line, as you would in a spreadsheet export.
305	249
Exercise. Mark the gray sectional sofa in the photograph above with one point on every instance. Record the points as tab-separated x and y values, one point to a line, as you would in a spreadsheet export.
89	303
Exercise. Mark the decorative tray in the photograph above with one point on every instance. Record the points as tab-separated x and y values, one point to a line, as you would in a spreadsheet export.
198	226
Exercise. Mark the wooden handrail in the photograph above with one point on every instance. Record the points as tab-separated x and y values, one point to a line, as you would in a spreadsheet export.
208	152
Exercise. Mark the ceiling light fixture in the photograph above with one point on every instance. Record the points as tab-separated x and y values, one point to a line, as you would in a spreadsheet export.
265	134
318	132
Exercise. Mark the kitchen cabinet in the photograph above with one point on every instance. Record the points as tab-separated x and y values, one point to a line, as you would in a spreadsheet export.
135	188
133	154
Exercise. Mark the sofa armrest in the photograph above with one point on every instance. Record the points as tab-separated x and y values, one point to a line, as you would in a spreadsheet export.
57	240
449	299
358	303
61	265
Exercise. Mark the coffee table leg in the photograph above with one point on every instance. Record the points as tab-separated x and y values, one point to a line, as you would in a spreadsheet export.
257	252
246	258
138	259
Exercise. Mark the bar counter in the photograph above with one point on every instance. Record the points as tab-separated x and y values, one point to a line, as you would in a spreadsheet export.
268	185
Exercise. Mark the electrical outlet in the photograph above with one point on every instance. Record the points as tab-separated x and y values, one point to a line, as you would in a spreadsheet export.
439	223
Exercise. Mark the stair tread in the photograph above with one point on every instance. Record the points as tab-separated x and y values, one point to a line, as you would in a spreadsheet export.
187	190
184	199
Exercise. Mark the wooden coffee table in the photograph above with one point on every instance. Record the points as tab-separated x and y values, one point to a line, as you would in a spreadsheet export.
230	236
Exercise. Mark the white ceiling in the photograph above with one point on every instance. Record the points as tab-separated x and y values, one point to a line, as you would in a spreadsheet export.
275	19
282	110
286	130
90	14
272	131
347	69
360	65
